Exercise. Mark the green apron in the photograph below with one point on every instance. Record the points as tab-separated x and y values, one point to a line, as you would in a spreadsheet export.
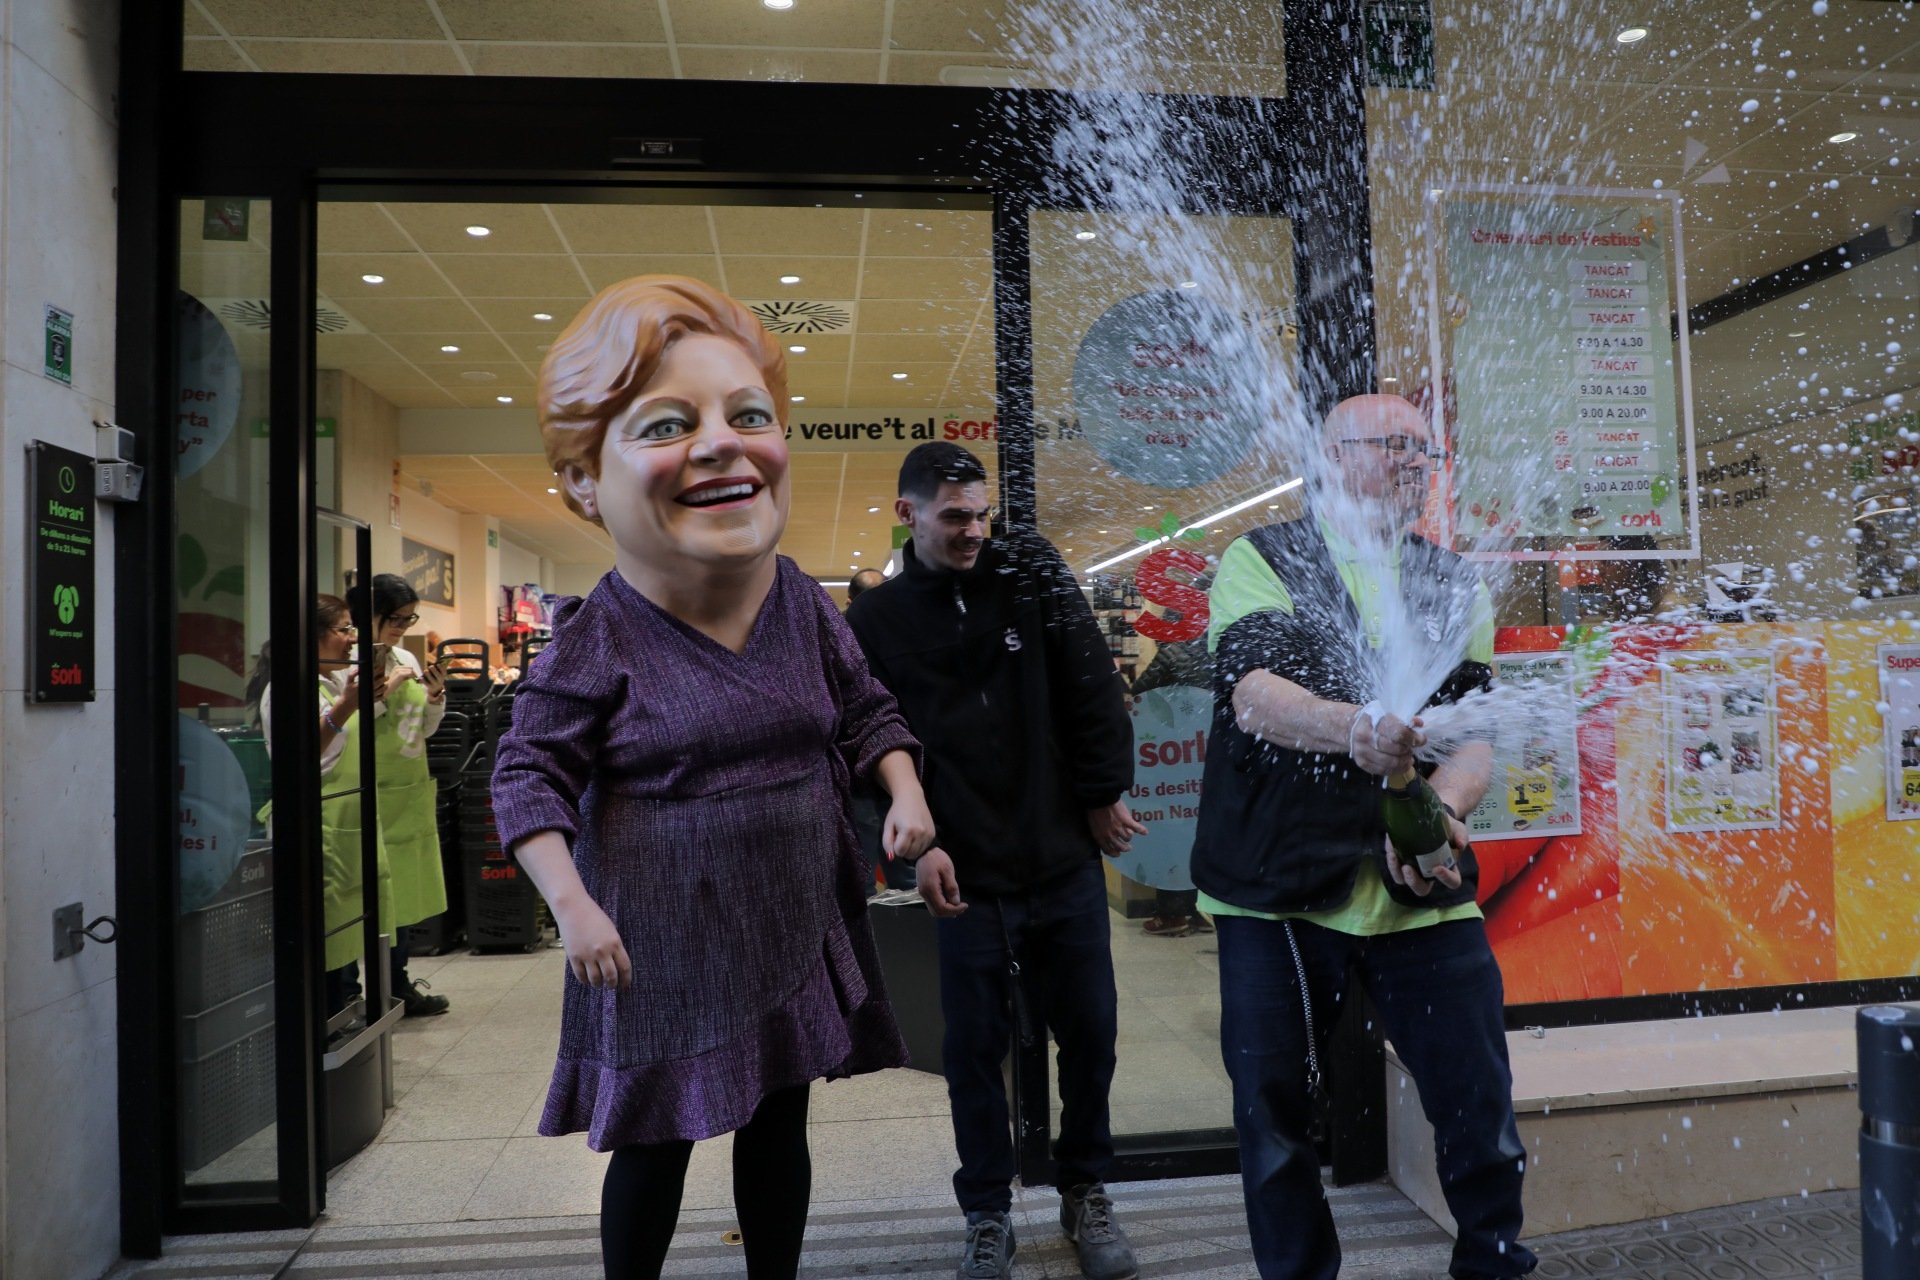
340	850
407	794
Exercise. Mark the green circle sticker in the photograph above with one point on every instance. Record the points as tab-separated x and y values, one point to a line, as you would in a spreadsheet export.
1660	488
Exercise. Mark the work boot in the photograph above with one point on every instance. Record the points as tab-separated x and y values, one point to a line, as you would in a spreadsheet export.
989	1251
418	1003
1086	1215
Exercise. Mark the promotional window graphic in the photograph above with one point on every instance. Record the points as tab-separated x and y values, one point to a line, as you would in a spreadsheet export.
1556	305
1536	783
1723	766
1900	703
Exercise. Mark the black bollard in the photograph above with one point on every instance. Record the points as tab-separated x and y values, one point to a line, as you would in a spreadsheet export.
1889	1040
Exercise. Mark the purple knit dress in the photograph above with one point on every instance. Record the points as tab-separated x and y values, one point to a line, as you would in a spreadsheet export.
704	793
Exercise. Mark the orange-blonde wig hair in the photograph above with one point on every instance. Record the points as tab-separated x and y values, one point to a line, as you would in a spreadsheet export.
613	348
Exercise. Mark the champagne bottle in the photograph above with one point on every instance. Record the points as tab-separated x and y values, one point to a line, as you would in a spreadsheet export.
1417	823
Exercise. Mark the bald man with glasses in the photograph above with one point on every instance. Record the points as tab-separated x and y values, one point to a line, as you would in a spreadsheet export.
1292	861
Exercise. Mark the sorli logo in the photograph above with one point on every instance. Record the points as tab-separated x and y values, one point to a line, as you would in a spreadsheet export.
74	676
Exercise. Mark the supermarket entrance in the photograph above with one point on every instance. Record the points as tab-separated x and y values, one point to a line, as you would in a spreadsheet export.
919	260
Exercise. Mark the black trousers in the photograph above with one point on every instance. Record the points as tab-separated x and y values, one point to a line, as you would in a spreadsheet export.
1061	936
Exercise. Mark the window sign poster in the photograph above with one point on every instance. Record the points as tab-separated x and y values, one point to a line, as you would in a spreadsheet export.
1900	695
1558	305
1536	776
1723	753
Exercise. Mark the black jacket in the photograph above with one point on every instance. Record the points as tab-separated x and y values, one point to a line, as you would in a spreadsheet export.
1006	680
1283	830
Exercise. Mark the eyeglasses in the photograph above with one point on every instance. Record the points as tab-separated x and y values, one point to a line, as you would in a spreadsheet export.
1400	444
403	619
958	518
348	630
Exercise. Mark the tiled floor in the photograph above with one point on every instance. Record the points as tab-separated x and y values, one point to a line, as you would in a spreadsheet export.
1191	1228
457	1183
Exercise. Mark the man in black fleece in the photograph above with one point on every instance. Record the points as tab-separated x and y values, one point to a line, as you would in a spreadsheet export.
1005	678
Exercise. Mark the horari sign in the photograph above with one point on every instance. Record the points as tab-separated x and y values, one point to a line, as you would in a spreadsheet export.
60	532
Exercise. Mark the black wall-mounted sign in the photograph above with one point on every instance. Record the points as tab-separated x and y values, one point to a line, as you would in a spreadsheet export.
60	532
428	570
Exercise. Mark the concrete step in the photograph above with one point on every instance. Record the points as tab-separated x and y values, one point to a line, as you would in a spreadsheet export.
1642	1119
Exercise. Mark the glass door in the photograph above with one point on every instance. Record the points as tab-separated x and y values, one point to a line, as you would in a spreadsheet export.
228	1141
1163	355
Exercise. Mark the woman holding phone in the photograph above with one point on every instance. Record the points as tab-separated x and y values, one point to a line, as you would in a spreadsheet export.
334	637
414	704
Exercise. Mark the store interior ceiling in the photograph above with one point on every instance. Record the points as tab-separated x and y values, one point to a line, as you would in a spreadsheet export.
1785	131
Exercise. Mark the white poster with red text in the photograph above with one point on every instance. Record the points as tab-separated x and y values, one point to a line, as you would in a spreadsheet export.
1900	696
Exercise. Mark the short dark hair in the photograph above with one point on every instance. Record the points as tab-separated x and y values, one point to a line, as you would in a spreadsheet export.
863	580
928	466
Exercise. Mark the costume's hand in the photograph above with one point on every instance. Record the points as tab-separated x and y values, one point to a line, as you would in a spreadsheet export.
1409	875
1114	827
594	950
939	887
908	830
1385	747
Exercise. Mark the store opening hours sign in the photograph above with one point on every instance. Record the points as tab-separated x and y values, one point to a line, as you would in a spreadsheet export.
60	610
1551	310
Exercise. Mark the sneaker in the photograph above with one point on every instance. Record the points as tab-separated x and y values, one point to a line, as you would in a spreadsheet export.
418	1003
1086	1215
989	1251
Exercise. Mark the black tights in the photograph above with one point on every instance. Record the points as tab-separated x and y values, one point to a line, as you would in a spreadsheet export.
772	1185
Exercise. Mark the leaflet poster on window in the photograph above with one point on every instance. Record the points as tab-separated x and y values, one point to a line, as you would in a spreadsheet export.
1900	695
1535	789
1568	421
1723	749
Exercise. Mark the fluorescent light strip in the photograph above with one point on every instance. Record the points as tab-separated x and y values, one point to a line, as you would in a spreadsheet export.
1201	523
827	582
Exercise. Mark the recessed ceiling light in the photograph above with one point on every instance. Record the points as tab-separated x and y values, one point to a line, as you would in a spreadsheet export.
1086	235
1798	333
1189	284
1845	135
450	350
789	279
371	278
873	511
798	350
856	553
1632	35
796	399
777	4
899	377
551	489
541	315
504	399
477	231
